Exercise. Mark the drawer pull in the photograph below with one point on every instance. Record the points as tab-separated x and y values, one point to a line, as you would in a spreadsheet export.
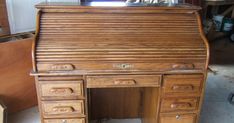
182	87
64	121
177	117
63	109
183	66
180	105
125	82
62	67
62	90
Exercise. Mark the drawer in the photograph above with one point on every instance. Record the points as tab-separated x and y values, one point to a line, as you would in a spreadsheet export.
182	84
81	120
178	118
115	66
61	90
179	104
61	109
123	81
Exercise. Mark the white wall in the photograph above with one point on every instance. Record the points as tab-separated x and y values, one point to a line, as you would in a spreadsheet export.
22	14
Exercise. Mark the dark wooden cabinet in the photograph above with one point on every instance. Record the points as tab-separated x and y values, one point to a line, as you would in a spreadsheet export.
94	62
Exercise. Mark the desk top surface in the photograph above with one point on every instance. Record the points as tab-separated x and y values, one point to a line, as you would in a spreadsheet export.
74	5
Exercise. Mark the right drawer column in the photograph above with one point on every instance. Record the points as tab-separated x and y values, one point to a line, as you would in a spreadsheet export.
180	98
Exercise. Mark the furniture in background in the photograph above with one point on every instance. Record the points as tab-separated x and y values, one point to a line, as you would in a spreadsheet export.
4	25
94	62
17	88
212	34
215	7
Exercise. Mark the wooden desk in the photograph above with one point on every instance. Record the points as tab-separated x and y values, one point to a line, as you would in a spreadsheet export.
93	62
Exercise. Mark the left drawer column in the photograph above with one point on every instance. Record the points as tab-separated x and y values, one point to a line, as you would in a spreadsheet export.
61	99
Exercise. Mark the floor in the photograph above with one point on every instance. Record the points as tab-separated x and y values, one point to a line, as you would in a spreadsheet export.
220	83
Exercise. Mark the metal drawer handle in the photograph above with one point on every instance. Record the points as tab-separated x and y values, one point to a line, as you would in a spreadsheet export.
60	90
125	82
183	66
62	67
63	109
181	105
182	87
177	117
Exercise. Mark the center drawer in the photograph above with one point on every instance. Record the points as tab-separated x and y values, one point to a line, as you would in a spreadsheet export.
61	109
123	81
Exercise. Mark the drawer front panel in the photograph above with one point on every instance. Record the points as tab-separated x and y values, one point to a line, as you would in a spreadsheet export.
186	84
103	66
177	118
179	104
81	120
54	109
61	90
123	81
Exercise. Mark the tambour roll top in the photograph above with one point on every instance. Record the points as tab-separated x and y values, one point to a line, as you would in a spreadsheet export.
91	39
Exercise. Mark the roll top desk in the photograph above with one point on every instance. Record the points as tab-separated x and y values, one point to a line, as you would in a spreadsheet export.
93	62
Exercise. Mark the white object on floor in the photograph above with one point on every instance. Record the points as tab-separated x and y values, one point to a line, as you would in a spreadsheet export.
2	113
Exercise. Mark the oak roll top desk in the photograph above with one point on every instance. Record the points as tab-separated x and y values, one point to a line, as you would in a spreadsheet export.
131	61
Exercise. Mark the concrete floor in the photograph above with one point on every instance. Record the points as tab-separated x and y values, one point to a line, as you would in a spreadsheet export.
220	83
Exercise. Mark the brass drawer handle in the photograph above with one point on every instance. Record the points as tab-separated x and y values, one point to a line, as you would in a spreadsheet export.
61	90
181	105
62	67
63	109
182	87
183	66
177	117
125	82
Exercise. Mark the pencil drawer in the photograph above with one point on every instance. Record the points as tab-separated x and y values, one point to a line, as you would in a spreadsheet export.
179	104
124	81
182	85
76	120
61	109
50	90
178	118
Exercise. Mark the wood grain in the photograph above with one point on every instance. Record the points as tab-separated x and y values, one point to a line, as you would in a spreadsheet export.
17	88
4	24
115	103
112	46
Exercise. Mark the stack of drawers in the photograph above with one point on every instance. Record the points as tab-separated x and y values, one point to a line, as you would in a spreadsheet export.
180	98
61	99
